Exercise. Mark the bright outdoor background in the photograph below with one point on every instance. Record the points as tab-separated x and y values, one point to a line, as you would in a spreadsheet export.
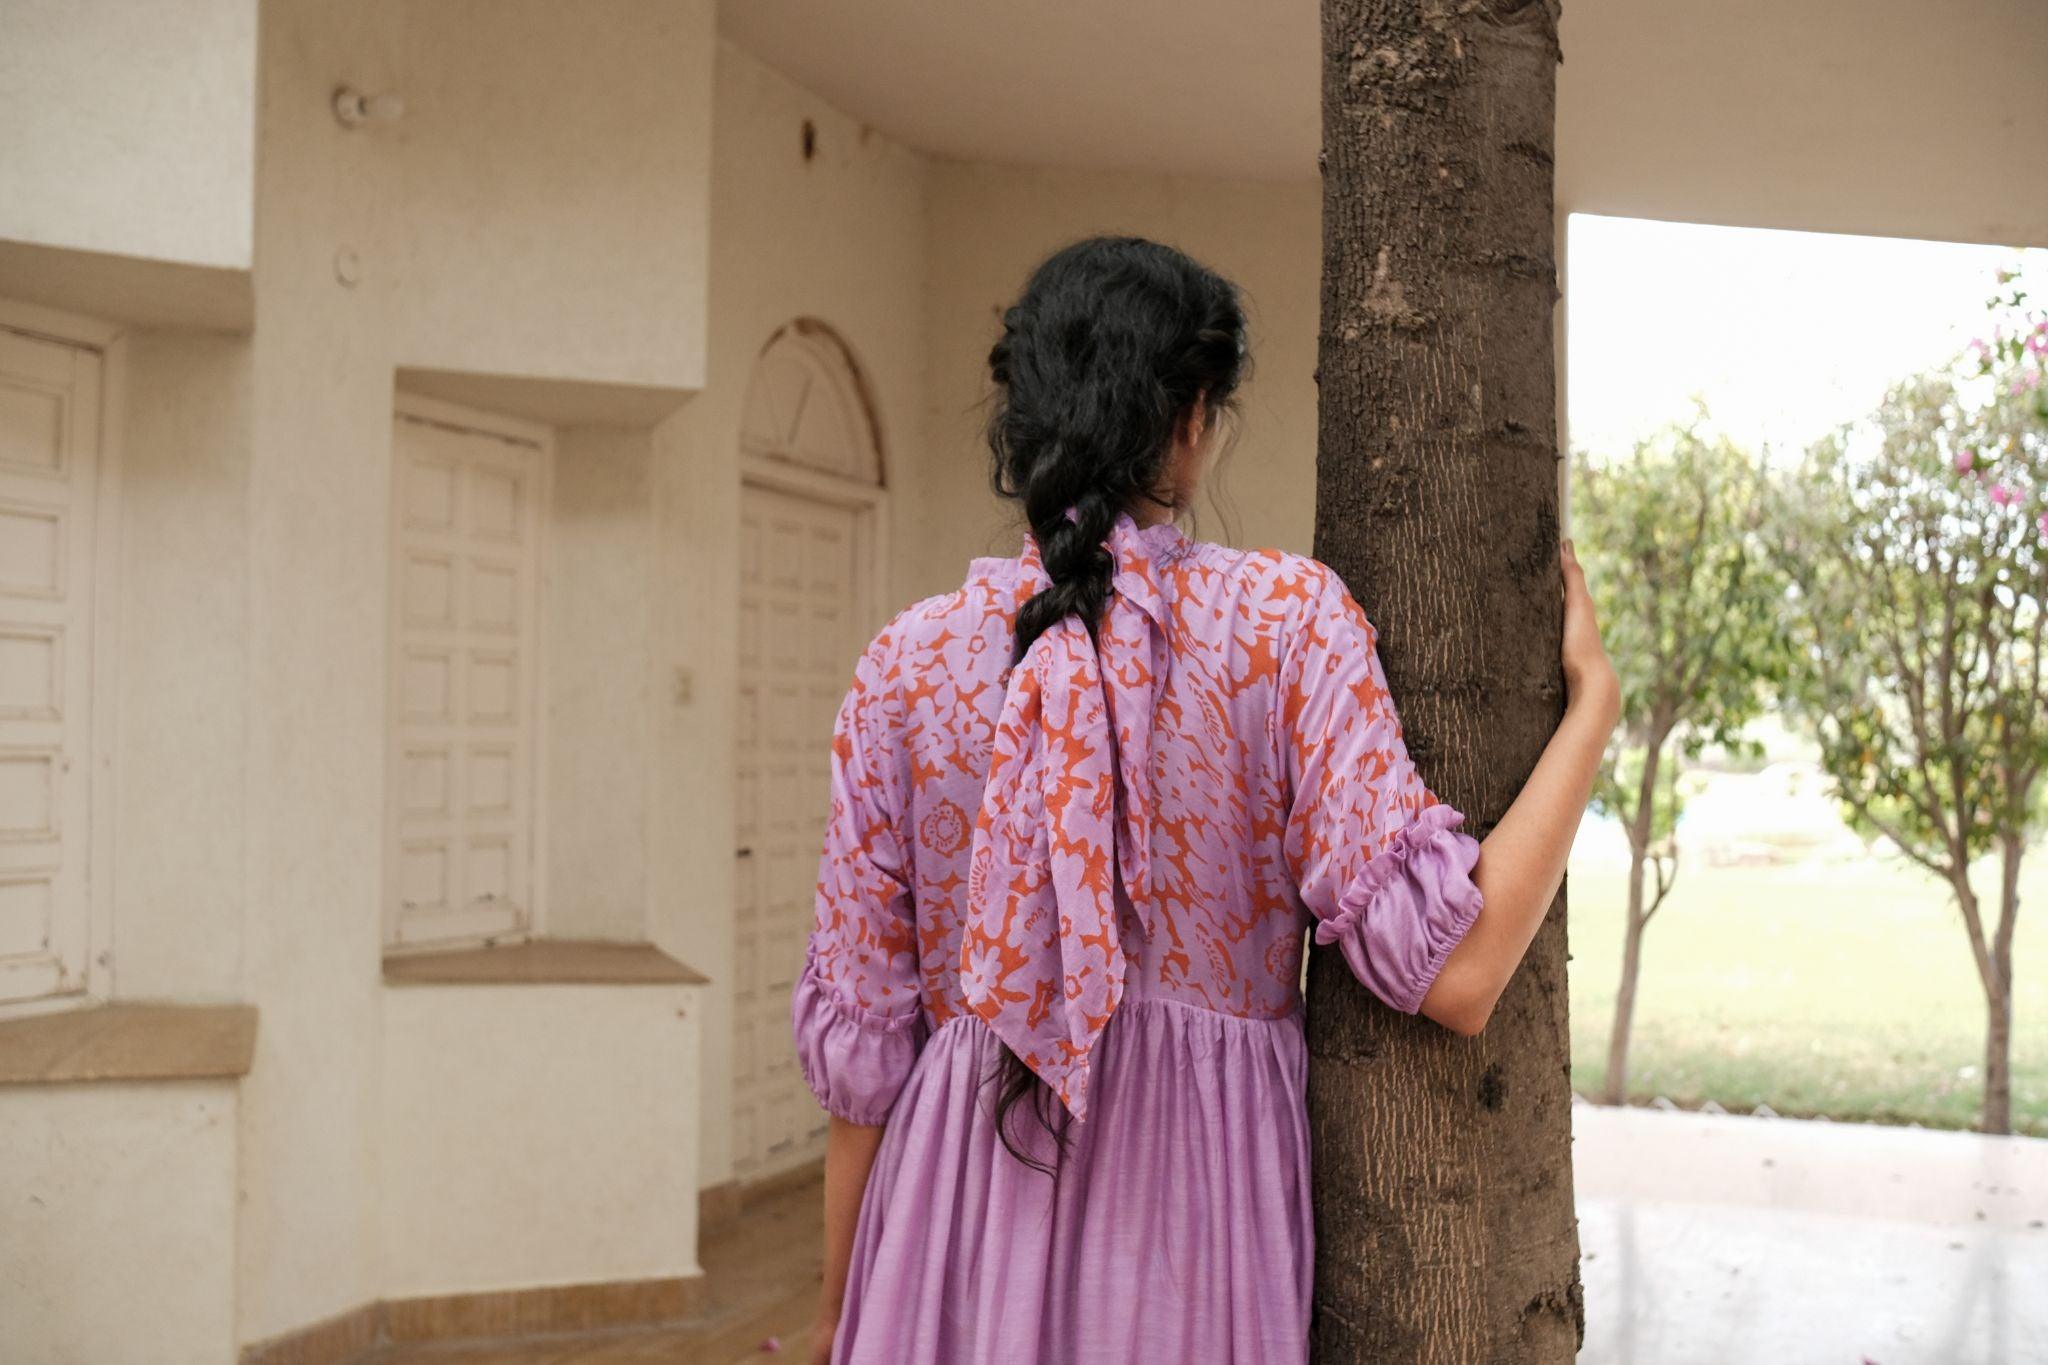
1793	965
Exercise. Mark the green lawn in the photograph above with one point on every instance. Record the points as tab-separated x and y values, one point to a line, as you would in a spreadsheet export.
1838	989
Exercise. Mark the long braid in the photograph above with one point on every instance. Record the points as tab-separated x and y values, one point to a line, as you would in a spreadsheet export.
1110	345
1076	559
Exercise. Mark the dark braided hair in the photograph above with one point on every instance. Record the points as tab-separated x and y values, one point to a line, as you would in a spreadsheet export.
1100	360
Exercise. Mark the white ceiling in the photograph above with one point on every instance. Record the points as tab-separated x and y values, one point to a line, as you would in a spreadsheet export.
1901	117
1198	87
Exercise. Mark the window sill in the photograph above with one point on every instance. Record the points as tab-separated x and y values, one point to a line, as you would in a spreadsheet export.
542	962
126	1041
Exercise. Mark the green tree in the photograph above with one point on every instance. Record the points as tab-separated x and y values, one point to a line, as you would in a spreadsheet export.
1918	547
1691	605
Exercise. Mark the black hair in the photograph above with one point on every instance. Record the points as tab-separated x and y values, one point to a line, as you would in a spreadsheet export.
1100	361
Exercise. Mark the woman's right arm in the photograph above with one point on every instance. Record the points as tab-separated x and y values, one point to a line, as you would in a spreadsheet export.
1522	860
857	1010
849	1159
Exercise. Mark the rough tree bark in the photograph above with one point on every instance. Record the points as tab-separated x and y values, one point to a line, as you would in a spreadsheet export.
1443	1188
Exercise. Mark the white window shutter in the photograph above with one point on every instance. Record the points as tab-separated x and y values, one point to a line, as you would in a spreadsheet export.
49	458
464	639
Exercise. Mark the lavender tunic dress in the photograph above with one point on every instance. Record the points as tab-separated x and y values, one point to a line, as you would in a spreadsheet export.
1106	858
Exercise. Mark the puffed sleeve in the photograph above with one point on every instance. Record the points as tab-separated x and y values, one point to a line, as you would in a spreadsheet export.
1379	858
857	1009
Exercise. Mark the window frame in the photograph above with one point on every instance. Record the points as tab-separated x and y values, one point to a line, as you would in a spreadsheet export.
472	929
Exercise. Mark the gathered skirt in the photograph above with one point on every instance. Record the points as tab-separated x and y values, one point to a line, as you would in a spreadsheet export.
1177	1226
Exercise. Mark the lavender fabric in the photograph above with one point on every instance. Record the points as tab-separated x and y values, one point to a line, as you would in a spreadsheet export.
853	1060
1398	922
1281	798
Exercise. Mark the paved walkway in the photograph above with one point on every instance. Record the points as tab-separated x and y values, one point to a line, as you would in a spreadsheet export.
1706	1240
1709	1239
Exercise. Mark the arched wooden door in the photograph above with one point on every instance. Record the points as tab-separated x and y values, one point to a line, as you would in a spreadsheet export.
811	509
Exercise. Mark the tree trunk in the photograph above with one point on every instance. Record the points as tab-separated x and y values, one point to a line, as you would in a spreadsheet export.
1998	994
1443	1187
1998	1058
1615	1084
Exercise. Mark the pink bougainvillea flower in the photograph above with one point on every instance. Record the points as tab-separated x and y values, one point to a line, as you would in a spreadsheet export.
2002	495
2042	522
1964	459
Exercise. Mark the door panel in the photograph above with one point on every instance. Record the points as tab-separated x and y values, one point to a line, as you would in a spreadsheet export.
801	568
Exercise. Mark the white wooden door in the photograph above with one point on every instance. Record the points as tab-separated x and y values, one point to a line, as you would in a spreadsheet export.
463	757
49	457
803	571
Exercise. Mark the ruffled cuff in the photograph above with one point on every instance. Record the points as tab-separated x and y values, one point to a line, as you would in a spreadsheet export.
1400	917
853	1059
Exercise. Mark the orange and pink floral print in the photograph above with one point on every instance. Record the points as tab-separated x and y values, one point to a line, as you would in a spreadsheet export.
1063	840
1164	807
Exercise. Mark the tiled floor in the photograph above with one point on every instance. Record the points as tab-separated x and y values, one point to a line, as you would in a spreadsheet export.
1706	1240
762	1278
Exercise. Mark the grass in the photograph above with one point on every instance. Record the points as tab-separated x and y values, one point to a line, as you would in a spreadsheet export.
1838	988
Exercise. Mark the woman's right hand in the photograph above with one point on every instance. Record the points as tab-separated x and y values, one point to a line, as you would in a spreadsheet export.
1589	676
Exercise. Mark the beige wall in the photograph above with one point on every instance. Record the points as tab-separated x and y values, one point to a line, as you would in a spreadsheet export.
550	177
112	1182
599	618
253	574
843	238
127	127
465	226
181	641
565	1168
318	494
991	224
118	1249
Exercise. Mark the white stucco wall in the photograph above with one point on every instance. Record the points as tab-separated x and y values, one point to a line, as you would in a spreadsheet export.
551	185
511	1155
119	1240
128	127
599	613
181	668
843	238
318	499
325	356
541	212
106	1184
